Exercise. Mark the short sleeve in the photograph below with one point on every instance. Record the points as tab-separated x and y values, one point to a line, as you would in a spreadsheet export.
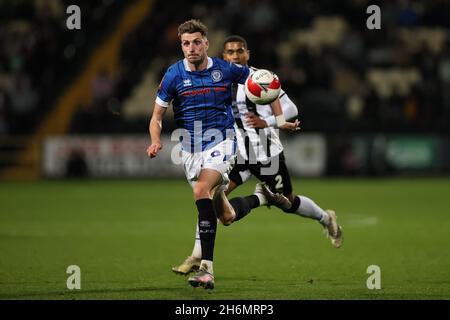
239	73
166	90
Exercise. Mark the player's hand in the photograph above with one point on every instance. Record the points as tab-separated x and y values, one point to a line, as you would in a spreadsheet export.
253	121
291	126
153	149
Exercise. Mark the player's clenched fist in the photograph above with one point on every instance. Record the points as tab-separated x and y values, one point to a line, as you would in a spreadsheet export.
153	149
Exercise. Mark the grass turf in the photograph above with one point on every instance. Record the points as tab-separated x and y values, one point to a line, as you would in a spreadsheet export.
126	235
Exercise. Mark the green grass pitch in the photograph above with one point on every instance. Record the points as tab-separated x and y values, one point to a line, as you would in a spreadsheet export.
126	235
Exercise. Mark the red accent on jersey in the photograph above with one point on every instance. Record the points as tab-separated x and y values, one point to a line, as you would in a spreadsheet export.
203	91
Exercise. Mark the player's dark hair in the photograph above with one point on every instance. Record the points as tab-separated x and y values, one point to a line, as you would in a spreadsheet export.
192	26
235	38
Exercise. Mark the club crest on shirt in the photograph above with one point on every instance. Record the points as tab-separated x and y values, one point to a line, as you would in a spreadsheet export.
216	75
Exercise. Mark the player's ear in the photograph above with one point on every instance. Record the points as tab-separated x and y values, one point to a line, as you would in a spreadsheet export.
248	54
206	43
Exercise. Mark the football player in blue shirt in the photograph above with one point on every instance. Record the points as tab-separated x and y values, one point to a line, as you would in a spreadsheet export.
199	89
251	121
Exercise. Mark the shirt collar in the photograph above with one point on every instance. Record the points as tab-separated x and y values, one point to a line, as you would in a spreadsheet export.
186	65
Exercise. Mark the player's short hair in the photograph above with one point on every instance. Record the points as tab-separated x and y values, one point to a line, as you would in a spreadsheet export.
192	26
235	38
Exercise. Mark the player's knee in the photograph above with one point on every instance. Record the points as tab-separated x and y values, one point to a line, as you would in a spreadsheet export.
201	191
226	222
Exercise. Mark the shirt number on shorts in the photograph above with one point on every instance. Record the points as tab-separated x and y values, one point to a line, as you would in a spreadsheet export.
279	180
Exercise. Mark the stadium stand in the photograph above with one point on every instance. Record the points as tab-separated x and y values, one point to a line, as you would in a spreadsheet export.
343	76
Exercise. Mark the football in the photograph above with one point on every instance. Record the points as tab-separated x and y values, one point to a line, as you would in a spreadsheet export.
262	87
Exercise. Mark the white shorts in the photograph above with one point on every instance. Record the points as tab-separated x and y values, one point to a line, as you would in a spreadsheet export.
221	158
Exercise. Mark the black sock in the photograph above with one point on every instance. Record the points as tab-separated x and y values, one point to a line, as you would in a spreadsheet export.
253	201
241	207
295	205
207	225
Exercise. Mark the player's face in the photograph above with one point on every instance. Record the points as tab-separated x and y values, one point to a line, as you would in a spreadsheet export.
194	47
236	52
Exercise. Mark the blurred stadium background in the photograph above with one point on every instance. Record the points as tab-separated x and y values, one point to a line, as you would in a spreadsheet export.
371	101
75	104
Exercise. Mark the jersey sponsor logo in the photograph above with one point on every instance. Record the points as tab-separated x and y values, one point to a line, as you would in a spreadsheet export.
196	92
203	91
216	75
187	82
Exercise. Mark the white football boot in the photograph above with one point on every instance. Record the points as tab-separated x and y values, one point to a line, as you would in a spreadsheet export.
191	264
333	230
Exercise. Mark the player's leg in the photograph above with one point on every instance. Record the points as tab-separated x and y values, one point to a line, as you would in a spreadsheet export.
307	208
223	208
213	178
241	205
267	193
236	208
304	206
262	195
192	164
231	187
207	225
225	211
281	182
192	262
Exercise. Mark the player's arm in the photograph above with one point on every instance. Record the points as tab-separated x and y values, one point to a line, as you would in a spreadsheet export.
155	128
238	72
290	110
164	97
280	111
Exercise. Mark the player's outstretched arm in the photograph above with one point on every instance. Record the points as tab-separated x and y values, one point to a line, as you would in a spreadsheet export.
255	121
279	119
155	128
289	108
